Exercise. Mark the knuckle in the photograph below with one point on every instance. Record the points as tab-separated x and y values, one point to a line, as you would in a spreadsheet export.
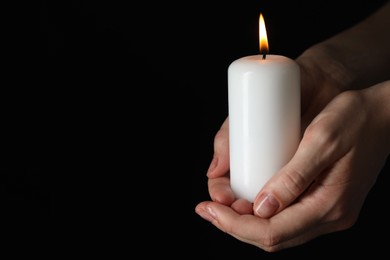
271	249
320	133
220	138
294	182
270	241
323	135
353	97
342	218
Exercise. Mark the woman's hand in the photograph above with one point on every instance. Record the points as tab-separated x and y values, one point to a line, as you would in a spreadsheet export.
323	187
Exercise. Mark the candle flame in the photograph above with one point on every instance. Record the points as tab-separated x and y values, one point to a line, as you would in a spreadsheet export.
263	40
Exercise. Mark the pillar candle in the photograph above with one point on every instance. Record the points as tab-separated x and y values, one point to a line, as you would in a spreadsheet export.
264	118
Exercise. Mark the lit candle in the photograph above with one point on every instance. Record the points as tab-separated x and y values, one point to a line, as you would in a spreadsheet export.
264	117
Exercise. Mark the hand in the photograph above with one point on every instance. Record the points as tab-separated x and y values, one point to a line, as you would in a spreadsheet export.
314	98
323	187
345	143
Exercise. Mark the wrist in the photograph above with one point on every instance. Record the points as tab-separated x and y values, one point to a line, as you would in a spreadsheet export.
321	60
377	99
321	77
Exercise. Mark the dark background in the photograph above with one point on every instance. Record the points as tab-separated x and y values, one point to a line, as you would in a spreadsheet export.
130	97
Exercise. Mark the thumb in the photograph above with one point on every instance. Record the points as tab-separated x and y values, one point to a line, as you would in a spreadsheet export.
315	153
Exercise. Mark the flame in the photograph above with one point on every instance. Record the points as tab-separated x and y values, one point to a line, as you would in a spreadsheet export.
263	40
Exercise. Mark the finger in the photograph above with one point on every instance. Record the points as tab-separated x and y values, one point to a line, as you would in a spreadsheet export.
219	166
297	224
242	206
220	190
322	144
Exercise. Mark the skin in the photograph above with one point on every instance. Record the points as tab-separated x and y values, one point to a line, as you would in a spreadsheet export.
345	143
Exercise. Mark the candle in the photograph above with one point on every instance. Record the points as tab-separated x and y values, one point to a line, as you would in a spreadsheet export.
264	117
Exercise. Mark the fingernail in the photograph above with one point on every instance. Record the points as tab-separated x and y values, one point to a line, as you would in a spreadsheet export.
267	207
207	213
213	165
211	212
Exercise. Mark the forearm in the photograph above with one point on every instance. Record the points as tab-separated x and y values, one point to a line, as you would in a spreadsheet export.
358	57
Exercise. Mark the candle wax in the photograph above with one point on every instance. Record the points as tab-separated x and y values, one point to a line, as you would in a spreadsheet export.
264	120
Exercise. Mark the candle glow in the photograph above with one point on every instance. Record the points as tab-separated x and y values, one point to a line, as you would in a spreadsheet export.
263	40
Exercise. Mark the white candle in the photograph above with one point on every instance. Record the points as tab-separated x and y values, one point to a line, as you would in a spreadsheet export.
264	119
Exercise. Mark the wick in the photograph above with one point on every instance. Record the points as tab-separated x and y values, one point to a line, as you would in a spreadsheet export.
264	55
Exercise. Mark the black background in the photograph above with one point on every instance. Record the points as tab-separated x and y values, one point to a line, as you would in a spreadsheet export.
130	97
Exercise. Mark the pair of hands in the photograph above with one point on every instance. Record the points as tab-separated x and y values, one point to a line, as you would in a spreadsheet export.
344	146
